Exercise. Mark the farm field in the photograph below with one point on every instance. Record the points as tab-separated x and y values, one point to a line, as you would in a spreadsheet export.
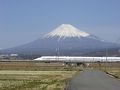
34	76
36	66
34	80
16	75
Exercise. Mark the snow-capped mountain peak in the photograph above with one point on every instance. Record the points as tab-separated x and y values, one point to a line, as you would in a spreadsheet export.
67	30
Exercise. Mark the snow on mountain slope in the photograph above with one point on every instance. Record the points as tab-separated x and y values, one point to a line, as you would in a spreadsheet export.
67	30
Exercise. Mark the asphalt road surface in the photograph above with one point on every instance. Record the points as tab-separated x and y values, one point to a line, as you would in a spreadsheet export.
93	80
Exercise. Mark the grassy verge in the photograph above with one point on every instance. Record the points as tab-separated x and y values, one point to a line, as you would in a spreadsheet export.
114	72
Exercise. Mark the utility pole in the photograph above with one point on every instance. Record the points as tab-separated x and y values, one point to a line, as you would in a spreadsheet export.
58	48
106	59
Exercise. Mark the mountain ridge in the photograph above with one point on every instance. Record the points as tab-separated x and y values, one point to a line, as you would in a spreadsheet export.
69	44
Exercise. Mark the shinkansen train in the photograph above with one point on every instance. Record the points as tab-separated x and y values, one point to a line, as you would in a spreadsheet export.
75	59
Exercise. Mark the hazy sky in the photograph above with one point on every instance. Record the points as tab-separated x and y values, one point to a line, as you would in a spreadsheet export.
22	21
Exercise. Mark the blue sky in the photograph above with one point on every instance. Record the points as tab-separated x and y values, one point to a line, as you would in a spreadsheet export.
22	21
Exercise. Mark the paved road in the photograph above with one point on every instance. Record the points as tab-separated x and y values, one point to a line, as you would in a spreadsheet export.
93	80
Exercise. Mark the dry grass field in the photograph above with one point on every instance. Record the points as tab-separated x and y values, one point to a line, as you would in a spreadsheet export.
44	76
34	76
34	80
36	66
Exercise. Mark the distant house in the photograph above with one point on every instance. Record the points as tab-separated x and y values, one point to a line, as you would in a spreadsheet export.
4	56
13	56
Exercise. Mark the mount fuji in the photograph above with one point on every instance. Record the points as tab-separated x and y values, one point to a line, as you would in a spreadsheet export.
64	40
